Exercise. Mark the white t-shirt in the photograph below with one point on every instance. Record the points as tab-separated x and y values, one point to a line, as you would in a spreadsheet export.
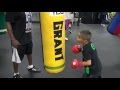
67	15
28	22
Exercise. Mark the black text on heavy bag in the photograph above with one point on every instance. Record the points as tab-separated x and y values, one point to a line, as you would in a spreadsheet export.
58	34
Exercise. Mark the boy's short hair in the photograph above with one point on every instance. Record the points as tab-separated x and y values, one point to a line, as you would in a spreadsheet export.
86	34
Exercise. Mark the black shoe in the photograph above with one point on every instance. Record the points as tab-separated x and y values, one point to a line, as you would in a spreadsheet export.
34	69
17	76
70	30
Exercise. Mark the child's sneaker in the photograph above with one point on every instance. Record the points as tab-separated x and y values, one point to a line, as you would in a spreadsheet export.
34	69
66	38
17	76
70	30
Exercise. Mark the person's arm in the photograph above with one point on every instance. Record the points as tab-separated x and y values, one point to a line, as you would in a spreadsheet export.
86	63
10	32
87	57
9	19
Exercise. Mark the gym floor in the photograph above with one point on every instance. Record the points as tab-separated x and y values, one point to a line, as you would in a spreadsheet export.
107	46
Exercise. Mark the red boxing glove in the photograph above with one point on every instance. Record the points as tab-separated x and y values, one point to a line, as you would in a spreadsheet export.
77	64
76	49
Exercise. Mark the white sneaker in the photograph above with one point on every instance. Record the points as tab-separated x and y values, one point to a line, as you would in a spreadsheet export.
66	38
103	25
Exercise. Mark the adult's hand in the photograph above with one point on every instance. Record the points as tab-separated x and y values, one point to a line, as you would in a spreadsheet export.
15	43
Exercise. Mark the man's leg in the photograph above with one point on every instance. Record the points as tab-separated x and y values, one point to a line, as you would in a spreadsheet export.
21	51
15	66
28	52
103	21
29	47
70	25
79	19
31	67
16	72
29	57
78	22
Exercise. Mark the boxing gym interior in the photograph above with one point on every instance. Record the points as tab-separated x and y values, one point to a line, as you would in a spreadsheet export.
106	43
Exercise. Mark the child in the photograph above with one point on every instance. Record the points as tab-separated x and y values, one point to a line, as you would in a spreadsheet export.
67	22
91	61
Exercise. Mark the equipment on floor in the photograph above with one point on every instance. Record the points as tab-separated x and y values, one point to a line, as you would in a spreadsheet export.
53	40
91	18
114	26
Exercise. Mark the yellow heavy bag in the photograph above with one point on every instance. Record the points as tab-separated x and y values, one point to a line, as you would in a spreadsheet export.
53	40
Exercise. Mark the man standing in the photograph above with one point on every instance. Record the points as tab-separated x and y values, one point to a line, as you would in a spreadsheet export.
104	18
19	30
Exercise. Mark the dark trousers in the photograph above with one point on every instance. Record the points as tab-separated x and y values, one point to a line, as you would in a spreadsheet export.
103	17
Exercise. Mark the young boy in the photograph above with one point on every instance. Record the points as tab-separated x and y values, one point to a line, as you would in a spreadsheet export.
67	22
91	61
